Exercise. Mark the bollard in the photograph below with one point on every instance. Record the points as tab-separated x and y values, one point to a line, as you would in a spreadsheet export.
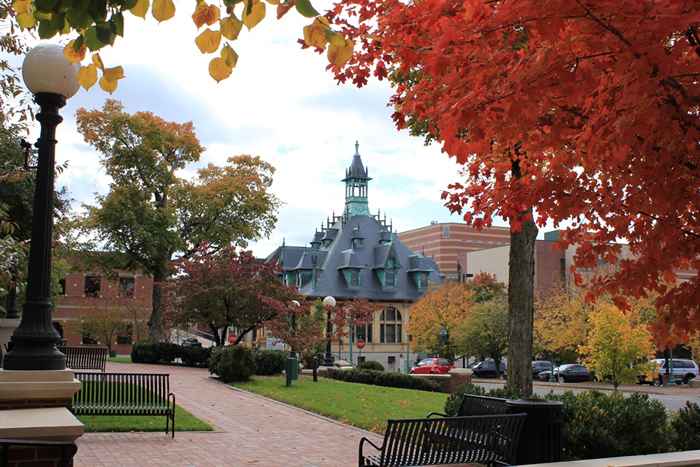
315	369
288	370
541	439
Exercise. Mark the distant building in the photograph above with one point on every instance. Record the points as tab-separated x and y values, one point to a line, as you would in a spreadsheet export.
357	255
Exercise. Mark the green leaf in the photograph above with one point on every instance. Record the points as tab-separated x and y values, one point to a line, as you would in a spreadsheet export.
105	33
305	8
47	29
45	5
117	23
128	4
91	40
78	19
98	10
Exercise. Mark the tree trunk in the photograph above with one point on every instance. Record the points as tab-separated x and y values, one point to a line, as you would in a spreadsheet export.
156	331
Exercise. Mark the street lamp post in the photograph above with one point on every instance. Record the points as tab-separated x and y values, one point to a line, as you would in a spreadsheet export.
328	303
52	80
444	338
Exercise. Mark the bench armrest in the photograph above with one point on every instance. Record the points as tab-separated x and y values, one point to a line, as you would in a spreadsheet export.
437	414
362	442
171	398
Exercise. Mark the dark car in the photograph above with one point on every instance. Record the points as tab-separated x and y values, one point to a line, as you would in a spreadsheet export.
487	369
431	366
538	366
571	373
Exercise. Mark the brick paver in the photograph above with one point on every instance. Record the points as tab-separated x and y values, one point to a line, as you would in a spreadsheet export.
251	431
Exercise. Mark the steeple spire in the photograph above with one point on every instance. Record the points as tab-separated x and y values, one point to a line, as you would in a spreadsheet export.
356	184
357	148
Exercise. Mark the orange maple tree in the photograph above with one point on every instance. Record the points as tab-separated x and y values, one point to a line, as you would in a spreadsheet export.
597	101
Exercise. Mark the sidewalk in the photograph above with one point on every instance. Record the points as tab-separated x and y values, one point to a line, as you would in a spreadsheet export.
671	390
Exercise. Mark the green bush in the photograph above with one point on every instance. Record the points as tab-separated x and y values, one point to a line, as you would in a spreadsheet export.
194	356
167	352
269	362
380	378
685	428
454	400
144	352
232	363
608	425
370	365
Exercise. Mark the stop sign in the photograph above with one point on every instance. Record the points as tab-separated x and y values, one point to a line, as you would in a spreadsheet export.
360	344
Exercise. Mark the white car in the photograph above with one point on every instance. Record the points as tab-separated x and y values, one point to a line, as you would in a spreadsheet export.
681	369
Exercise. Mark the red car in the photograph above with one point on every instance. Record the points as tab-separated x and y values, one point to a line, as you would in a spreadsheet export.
432	366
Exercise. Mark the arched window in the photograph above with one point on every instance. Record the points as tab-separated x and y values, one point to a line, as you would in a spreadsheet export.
390	326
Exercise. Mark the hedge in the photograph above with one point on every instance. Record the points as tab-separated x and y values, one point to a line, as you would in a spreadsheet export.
380	378
232	363
269	362
167	352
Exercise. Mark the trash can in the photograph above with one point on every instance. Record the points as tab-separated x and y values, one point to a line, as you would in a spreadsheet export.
541	438
293	366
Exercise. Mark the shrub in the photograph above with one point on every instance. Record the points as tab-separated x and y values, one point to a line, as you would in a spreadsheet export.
454	400
609	425
232	363
370	365
167	352
144	352
194	356
380	378
269	362
685	428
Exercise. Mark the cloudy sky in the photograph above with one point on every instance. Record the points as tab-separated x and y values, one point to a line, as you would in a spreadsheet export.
280	103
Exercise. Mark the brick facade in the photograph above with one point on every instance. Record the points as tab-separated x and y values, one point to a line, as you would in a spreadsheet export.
128	291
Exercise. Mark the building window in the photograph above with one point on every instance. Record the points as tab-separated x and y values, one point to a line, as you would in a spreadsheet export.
62	286
390	278
390	326
356	243
445	231
126	287
363	332
92	286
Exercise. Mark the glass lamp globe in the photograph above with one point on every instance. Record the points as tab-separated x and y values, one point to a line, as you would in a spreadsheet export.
46	69
329	301
296	303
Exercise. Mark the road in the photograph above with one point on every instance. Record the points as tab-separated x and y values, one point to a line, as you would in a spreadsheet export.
671	401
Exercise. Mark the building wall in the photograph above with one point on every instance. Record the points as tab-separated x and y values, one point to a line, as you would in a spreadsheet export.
448	243
74	303
493	261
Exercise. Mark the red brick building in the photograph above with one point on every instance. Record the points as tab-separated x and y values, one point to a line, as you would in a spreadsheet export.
90	294
449	243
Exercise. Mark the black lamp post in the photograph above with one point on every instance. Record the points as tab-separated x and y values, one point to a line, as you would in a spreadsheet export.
52	79
444	338
328	303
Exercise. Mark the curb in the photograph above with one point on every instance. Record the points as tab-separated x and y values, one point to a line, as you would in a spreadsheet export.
571	386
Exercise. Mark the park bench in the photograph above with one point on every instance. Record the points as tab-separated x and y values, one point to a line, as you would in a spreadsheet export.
55	453
146	394
482	439
85	357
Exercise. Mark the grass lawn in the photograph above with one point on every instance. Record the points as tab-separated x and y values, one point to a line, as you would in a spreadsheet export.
360	405
120	359
184	421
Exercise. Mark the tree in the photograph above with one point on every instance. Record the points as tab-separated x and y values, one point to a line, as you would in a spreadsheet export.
445	307
618	345
561	324
579	110
485	331
227	289
100	23
151	214
111	319
299	325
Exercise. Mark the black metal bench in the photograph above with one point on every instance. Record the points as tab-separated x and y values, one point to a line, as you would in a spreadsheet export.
483	439
85	357
146	394
58	453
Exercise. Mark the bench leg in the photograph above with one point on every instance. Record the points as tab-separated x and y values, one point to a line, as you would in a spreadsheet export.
170	418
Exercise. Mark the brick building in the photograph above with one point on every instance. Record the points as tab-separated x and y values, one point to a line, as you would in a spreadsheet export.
449	243
86	294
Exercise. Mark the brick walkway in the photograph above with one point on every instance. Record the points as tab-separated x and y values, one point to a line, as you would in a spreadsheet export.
251	431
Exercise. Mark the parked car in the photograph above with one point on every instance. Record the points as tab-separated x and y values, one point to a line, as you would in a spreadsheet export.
538	366
432	366
571	373
682	371
487	369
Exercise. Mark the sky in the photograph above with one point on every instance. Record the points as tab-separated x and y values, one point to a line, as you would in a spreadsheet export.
281	104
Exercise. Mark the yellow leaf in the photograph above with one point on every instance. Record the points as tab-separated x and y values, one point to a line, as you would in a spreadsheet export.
339	55
87	76
140	8
97	60
229	55
163	10
208	41
218	69
315	34
108	85
205	14
22	6
26	20
273	2
257	13
336	39
230	27
113	74
72	55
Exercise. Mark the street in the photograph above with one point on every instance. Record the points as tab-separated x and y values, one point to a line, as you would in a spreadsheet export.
666	395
